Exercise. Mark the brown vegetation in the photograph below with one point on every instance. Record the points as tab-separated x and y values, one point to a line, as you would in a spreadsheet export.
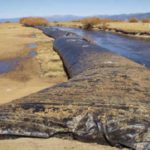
34	21
92	20
146	20
130	27
31	74
104	26
133	20
88	23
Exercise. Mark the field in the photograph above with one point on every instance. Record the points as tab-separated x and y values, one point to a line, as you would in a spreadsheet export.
137	27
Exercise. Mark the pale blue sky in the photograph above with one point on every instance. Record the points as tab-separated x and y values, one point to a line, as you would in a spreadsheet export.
20	8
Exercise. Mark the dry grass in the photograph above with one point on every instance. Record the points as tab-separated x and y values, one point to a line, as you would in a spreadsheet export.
92	21
14	37
133	20
126	26
140	26
34	21
146	20
66	24
89	23
32	74
95	21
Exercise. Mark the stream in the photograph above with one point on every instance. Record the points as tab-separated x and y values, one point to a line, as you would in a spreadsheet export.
137	50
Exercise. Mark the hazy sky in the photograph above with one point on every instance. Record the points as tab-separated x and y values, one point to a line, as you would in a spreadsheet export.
19	8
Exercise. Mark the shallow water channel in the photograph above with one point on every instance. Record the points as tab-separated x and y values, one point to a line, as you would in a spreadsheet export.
10	64
137	50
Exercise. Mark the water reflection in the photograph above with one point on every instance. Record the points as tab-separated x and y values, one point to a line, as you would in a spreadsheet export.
9	65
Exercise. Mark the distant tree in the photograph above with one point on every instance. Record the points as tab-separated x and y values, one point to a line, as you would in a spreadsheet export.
91	20
88	23
34	21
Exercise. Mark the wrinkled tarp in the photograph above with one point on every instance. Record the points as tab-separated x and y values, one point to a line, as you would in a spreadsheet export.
105	101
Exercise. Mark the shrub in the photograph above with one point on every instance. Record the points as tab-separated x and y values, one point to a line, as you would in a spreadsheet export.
88	23
146	20
34	21
87	26
133	20
105	20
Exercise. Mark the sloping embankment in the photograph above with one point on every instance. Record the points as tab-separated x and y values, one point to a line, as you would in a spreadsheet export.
105	101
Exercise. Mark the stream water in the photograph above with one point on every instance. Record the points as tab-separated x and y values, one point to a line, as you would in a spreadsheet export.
137	50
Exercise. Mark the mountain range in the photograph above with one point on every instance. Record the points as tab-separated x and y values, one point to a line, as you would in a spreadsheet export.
126	16
72	17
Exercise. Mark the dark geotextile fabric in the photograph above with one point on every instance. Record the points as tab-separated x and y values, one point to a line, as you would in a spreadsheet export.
106	99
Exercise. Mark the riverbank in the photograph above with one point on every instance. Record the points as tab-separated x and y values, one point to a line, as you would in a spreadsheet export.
136	30
36	64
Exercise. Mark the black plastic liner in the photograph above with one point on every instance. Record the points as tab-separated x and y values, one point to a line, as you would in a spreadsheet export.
74	50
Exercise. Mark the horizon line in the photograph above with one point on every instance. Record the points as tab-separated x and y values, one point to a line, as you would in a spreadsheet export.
74	15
